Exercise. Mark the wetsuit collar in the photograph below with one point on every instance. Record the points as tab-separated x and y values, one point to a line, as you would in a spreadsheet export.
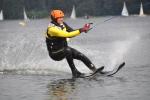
62	26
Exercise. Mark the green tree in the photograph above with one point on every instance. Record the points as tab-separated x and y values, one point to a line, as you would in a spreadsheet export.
13	9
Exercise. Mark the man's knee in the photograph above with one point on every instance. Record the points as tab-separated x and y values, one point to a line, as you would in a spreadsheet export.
80	56
68	51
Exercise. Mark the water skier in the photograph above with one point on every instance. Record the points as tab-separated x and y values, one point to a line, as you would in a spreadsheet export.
57	33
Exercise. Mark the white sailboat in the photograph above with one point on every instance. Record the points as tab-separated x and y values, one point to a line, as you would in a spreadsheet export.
25	15
73	14
141	10
124	10
26	19
1	15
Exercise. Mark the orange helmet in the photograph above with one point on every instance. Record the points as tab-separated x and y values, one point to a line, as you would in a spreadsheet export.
57	14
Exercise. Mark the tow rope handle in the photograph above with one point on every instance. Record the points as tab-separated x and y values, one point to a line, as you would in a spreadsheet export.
90	28
101	22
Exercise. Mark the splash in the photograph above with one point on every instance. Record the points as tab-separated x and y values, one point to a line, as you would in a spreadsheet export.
119	51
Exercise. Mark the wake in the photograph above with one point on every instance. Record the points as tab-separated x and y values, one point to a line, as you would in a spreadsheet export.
119	52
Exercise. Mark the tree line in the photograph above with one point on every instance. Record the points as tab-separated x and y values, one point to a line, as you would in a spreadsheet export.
13	9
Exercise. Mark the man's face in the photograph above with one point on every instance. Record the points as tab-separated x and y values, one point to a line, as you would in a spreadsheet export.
60	20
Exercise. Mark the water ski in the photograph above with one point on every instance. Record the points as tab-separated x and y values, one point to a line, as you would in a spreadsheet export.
111	73
99	71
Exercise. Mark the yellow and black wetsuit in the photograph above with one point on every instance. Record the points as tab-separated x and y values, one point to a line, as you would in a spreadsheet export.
58	48
57	38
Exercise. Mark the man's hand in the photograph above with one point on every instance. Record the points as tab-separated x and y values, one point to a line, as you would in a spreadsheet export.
85	28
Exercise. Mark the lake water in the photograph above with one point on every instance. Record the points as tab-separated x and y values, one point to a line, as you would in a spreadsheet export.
27	72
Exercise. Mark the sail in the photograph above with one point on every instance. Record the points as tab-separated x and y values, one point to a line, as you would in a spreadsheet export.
73	14
141	10
26	19
25	15
1	15
124	10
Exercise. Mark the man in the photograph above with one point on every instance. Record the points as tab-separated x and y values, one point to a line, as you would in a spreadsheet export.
57	33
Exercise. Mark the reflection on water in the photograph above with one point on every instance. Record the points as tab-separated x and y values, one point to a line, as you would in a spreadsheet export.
71	89
129	84
61	89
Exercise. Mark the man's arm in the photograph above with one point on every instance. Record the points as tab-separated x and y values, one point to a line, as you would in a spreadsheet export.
55	31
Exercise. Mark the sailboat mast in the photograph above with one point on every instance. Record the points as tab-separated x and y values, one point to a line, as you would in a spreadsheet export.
141	10
73	14
124	10
1	15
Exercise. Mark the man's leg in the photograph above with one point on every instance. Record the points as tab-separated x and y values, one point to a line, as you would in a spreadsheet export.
69	57
79	56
